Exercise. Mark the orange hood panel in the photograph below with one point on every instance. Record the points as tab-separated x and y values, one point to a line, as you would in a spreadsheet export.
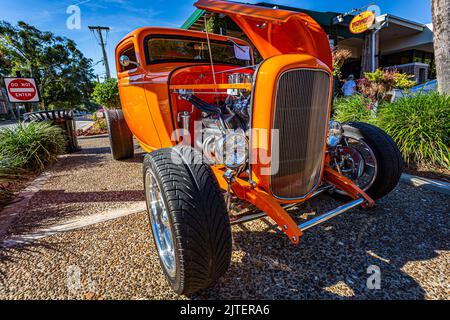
275	31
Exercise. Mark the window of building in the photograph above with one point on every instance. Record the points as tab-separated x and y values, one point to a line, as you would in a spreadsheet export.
422	75
405	57
397	58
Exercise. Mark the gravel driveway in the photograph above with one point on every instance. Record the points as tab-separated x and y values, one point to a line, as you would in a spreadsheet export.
407	236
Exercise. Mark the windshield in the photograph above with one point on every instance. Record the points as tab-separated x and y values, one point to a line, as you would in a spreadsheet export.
162	50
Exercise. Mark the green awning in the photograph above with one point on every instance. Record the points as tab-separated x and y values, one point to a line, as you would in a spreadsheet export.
193	18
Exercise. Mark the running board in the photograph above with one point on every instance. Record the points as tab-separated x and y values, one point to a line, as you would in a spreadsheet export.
330	214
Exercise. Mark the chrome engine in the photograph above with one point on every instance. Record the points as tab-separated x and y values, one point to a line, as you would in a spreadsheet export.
223	137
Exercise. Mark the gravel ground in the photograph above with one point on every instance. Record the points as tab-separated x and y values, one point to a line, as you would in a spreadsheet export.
407	236
85	183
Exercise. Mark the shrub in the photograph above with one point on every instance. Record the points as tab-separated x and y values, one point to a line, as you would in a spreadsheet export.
340	55
352	108
29	147
106	94
375	85
403	81
420	125
100	124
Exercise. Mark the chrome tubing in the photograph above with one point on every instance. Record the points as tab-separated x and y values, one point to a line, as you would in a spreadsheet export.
248	218
330	214
259	215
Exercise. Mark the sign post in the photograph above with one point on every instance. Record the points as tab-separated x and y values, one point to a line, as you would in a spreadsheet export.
368	20
21	90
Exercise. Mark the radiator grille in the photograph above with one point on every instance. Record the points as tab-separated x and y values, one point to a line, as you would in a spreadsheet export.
301	113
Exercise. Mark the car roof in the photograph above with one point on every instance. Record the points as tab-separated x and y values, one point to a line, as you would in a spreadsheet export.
144	31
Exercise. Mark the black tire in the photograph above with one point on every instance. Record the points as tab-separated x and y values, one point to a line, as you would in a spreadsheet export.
388	157
120	136
198	217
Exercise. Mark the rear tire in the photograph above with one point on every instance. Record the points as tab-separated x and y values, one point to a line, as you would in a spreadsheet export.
197	215
388	157
120	136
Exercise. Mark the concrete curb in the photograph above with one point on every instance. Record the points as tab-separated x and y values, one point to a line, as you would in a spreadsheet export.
11	212
84	129
429	184
74	224
86	126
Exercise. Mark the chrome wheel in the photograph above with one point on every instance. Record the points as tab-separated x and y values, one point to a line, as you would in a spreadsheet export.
159	220
357	162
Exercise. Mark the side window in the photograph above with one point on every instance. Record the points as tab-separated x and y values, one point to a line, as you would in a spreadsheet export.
131	54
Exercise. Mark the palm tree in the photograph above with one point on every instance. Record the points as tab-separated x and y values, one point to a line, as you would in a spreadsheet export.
441	28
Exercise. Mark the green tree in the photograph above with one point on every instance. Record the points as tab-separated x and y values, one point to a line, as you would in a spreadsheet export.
106	94
5	65
62	72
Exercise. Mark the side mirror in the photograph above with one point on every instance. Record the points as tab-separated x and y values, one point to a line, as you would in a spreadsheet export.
125	61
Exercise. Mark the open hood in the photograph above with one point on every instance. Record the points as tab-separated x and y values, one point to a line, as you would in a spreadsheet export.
275	31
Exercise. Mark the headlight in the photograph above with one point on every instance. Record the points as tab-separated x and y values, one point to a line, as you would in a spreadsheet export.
335	133
232	150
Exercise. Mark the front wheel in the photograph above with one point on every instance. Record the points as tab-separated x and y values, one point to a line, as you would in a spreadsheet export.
188	217
370	158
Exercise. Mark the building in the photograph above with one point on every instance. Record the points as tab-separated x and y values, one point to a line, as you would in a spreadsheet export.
401	43
6	108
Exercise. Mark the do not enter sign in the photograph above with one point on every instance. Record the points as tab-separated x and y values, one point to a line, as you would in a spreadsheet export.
21	90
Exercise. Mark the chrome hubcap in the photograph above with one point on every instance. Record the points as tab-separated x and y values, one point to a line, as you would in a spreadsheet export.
159	220
358	163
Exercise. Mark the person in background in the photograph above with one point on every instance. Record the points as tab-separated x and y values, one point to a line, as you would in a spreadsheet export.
349	87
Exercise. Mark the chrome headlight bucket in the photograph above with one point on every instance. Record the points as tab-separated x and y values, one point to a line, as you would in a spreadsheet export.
335	133
232	149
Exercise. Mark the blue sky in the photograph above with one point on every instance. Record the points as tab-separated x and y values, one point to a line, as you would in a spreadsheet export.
125	15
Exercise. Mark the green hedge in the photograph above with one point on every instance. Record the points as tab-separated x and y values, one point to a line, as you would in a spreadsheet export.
29	147
420	125
353	108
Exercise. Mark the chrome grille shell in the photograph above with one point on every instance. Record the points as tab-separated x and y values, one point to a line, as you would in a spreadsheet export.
301	114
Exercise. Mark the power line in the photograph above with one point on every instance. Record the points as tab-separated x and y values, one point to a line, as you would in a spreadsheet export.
99	30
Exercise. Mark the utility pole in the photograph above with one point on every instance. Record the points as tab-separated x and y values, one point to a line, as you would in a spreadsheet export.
99	30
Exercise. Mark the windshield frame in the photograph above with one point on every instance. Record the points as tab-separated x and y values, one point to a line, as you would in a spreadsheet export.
149	37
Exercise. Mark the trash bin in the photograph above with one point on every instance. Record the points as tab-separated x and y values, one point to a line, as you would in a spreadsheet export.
62	118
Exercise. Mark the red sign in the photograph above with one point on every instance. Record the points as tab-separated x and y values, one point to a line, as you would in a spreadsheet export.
21	90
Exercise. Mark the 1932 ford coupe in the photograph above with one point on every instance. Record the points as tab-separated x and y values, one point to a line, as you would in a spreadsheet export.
223	132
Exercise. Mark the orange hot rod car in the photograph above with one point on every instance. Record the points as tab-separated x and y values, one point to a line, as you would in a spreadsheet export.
223	132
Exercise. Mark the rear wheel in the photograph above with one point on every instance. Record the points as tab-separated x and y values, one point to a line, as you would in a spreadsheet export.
188	217
370	158
120	136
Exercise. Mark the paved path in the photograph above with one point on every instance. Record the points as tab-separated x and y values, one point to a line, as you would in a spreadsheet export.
84	245
80	124
7	124
83	124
